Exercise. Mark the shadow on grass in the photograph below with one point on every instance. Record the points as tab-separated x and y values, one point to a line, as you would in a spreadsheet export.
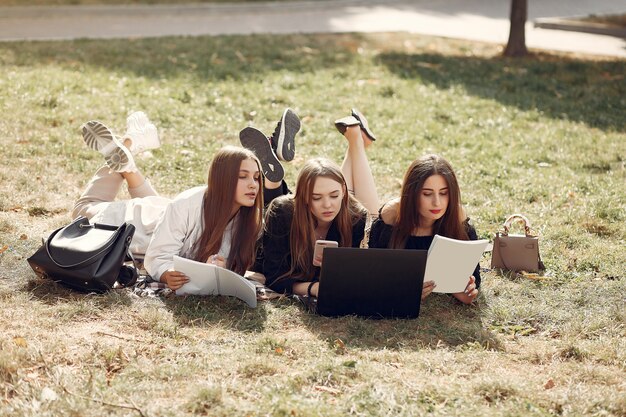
443	321
194	311
228	312
197	58
591	92
51	293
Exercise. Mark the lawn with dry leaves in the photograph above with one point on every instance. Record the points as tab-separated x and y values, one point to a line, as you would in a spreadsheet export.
544	136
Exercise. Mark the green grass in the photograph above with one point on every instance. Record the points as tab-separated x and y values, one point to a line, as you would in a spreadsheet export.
545	136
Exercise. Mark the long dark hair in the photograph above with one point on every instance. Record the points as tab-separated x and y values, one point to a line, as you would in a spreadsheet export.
302	236
450	224
217	206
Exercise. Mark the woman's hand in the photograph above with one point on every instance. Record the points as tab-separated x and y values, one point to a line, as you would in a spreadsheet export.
217	260
174	279
469	295
427	288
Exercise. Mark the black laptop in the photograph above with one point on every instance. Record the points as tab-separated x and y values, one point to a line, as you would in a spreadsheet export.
375	283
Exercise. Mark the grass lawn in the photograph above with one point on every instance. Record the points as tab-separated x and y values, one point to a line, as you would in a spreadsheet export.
544	136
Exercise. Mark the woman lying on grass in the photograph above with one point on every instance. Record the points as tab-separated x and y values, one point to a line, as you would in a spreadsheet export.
323	208
218	223
430	204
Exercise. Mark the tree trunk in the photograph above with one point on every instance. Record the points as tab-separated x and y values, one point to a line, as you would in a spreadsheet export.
516	45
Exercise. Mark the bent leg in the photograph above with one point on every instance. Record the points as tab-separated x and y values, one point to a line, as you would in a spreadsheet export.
357	171
138	185
272	190
100	192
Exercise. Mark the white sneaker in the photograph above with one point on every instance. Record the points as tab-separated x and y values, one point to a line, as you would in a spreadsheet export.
99	137
141	132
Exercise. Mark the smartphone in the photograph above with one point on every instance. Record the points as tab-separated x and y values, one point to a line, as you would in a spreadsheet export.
319	248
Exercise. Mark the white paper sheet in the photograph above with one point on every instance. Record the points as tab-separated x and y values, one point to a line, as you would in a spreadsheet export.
451	262
207	279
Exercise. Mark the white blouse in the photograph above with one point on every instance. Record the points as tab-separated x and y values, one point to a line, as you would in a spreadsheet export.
178	230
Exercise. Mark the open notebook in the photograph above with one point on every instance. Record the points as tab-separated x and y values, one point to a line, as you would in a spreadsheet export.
207	279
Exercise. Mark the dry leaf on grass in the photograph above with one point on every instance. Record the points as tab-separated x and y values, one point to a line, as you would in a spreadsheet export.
329	390
20	341
549	384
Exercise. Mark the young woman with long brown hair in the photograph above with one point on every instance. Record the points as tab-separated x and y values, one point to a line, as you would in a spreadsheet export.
430	203
328	204
218	223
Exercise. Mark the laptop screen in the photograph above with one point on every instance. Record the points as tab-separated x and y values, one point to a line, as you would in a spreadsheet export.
376	283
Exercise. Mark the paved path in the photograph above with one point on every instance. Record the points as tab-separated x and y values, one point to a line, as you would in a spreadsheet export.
481	20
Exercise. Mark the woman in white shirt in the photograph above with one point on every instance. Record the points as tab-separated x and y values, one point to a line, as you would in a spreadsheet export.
218	223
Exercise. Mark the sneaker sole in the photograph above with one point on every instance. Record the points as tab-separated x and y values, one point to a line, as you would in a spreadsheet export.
117	160
100	138
342	124
286	144
254	140
364	125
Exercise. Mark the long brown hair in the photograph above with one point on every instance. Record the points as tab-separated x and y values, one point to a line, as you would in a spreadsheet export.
217	206
302	236
449	225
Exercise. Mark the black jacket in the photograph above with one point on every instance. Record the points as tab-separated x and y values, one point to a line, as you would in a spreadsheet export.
276	250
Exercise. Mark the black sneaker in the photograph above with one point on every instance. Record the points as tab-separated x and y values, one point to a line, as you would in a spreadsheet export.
256	141
283	139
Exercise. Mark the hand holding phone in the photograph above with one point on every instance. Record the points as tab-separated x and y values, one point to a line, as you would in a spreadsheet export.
318	253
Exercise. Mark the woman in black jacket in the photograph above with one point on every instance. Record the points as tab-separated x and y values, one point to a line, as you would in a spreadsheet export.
430	204
330	203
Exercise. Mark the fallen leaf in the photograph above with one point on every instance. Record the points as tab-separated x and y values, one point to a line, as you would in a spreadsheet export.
20	341
339	346
240	57
532	275
349	364
549	384
5	247
329	390
23	237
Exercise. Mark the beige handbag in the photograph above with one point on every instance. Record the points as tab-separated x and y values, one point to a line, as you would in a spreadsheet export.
516	252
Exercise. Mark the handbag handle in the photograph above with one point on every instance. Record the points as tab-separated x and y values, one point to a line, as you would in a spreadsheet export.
98	226
516	217
82	224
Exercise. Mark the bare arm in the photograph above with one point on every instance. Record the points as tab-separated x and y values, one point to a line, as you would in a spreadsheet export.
389	212
301	288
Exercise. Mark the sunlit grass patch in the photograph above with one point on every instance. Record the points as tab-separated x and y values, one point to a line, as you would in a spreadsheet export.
542	136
